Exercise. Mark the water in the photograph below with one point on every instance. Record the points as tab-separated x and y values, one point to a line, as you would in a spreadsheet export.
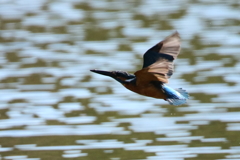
53	107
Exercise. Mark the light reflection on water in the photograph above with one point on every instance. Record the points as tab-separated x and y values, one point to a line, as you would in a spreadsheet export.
50	101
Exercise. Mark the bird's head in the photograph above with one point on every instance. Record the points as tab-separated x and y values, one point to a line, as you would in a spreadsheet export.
120	76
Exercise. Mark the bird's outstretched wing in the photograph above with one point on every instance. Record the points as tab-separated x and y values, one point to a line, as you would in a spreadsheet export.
158	60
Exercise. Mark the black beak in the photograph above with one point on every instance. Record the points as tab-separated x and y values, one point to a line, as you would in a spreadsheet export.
105	73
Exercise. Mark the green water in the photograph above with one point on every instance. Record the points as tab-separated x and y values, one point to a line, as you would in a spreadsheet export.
53	107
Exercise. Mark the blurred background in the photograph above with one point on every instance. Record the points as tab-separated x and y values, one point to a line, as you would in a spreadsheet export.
53	107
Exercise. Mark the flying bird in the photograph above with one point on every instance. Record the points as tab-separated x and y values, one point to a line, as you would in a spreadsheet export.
157	69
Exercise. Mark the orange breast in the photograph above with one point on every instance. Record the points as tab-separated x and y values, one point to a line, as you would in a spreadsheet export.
147	90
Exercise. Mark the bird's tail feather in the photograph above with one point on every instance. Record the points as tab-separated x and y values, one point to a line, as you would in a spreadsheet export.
176	102
179	98
183	92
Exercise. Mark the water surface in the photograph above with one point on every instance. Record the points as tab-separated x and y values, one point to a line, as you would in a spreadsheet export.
53	107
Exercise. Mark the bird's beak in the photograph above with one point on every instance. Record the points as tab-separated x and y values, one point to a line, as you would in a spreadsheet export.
105	73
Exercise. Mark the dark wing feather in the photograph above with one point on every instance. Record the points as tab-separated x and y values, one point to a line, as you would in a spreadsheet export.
169	48
158	60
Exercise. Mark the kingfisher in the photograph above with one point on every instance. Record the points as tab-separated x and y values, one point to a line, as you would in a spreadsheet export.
157	68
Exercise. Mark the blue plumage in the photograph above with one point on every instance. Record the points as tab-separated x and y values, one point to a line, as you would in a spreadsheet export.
175	97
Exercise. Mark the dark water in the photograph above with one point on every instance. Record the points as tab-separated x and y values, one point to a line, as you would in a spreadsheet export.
53	107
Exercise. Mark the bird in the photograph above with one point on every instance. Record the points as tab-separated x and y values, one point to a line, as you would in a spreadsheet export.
158	67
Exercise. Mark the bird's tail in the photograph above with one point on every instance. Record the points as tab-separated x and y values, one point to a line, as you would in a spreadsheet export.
178	99
183	92
175	97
